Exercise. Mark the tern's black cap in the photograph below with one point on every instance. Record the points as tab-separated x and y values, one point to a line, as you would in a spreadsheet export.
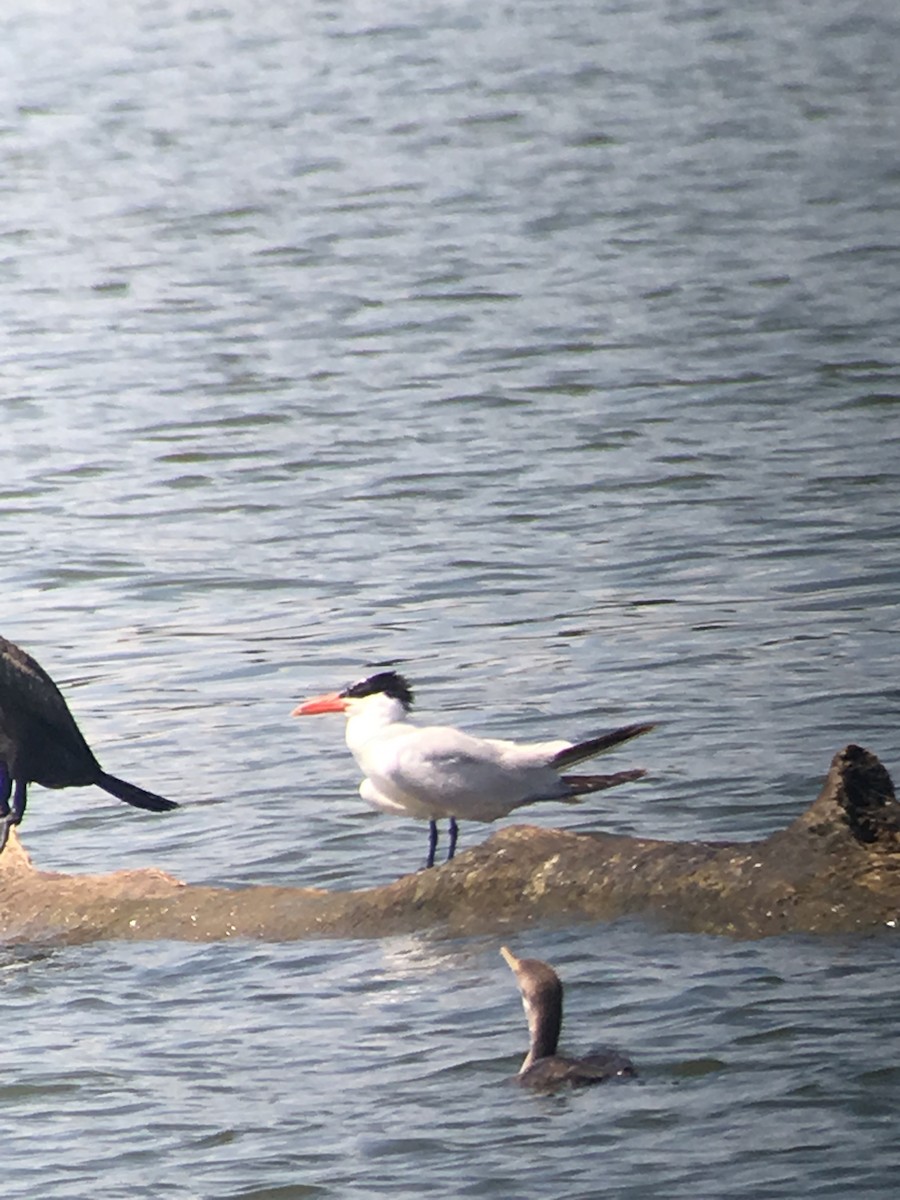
389	682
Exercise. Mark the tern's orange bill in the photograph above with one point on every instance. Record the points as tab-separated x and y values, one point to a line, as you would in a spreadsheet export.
330	702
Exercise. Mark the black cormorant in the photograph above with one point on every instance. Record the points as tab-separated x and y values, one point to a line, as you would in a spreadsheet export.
40	743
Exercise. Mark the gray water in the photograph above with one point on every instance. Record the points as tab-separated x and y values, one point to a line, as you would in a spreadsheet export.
550	352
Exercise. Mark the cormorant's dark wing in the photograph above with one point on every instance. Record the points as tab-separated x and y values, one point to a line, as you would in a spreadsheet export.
548	1074
36	721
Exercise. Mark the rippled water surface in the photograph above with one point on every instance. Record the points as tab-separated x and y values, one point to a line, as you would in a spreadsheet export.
549	351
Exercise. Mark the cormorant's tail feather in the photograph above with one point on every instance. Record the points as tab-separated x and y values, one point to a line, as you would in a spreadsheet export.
582	784
132	794
596	745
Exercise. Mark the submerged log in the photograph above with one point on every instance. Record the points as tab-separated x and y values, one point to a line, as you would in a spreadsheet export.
836	868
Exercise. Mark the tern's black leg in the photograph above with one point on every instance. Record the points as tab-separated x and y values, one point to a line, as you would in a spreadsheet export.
454	834
432	842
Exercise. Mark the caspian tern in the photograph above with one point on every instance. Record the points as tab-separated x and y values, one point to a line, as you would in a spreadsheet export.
40	743
433	772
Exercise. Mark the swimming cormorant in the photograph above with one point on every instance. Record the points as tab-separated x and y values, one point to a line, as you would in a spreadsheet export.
544	1069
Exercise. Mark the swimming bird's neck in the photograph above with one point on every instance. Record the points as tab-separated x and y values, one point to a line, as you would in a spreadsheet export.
544	1013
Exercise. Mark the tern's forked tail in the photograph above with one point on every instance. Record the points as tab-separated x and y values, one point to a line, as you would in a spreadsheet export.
582	784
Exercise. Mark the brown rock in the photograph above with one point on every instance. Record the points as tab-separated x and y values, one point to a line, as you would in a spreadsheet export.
836	868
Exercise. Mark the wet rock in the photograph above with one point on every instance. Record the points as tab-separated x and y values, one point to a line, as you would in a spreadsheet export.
836	868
